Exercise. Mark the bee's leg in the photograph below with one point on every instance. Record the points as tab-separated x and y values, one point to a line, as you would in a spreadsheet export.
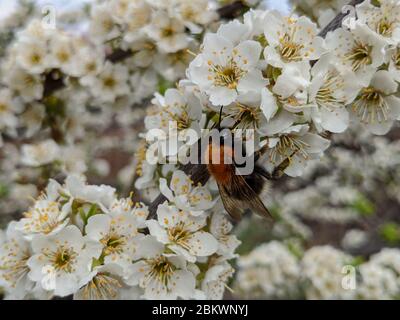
278	171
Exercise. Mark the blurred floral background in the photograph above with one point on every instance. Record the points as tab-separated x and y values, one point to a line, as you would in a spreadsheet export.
77	118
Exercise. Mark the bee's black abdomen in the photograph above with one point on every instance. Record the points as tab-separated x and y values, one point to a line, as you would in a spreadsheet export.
255	181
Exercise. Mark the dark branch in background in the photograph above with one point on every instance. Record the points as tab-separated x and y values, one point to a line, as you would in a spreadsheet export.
119	55
52	83
232	10
337	21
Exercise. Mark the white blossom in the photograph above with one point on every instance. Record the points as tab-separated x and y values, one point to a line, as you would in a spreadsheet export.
169	33
162	276
182	233
47	215
358	50
43	153
225	68
384	20
297	144
377	106
14	254
60	262
290	40
118	236
189	198
214	282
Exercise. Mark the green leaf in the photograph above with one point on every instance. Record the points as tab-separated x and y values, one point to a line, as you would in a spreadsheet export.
54	106
295	247
94	209
376	3
276	72
82	215
4	191
363	206
390	232
164	85
357	261
97	262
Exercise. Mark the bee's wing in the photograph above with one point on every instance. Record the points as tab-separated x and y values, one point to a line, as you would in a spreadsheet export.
249	199
254	202
258	207
233	206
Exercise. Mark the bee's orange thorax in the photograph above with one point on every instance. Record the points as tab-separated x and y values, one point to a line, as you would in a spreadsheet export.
215	156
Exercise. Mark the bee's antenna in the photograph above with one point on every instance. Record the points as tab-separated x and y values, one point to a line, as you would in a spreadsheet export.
220	118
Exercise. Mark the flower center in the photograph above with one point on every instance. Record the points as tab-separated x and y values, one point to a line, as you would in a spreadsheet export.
188	12
182	56
109	82
107	24
246	116
360	56
385	27
113	243
64	259
3	107
167	32
287	147
91	67
227	76
36	58
289	50
182	120
179	235
29	80
102	287
63	56
325	95
161	269
371	106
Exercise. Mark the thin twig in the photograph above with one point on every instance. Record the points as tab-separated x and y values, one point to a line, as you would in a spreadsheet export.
337	21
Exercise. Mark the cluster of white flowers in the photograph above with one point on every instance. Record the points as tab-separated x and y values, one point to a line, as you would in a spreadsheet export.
276	75
79	239
341	190
381	276
322	273
275	266
322	269
158	33
38	56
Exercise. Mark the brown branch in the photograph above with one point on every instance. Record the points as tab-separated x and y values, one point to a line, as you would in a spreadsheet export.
232	10
119	55
53	82
337	21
